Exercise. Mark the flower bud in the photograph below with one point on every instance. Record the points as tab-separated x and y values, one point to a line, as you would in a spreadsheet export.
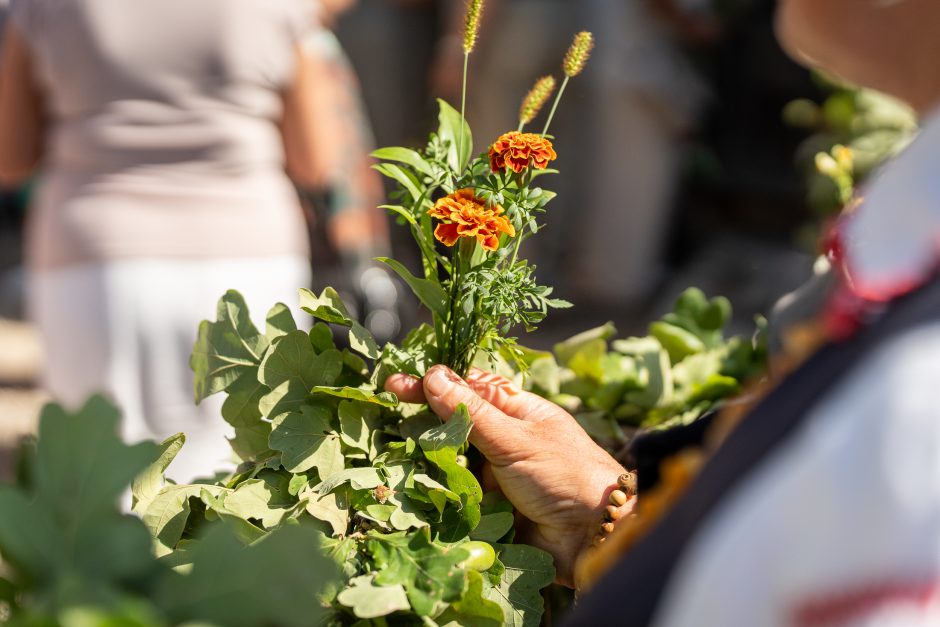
578	53
536	99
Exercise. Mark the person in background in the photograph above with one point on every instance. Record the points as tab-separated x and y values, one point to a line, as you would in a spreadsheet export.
167	133
819	506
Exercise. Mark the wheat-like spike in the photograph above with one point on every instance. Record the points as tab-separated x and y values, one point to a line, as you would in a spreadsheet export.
578	53
472	25
536	99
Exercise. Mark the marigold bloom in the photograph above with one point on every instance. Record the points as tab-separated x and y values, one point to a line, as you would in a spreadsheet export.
462	214
516	151
536	99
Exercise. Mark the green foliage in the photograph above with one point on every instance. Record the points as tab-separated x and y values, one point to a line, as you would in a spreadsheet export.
684	368
477	297
72	558
375	485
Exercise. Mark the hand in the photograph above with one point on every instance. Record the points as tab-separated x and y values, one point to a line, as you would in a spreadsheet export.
543	461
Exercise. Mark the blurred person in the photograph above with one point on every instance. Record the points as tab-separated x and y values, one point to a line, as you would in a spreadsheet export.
343	208
819	506
165	131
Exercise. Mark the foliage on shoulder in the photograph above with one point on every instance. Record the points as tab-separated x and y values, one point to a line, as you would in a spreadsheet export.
70	557
382	485
684	368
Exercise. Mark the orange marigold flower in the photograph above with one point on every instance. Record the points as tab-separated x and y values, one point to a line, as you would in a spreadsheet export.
517	150
462	214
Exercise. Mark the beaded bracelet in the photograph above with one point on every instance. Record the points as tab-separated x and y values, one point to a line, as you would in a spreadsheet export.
625	490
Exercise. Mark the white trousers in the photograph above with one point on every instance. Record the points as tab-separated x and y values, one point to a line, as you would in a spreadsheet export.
126	329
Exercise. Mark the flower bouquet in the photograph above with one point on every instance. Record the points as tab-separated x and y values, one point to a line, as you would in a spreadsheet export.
384	484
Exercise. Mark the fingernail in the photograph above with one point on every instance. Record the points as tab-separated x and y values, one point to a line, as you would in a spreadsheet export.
437	382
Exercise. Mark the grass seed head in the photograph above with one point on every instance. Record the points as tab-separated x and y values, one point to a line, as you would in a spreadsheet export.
536	99
472	24
578	53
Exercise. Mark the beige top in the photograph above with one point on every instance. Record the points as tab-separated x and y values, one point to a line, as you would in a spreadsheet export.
162	138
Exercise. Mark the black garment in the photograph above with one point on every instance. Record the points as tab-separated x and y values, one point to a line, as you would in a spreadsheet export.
632	591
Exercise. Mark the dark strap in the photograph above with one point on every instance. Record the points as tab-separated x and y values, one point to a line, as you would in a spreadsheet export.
631	592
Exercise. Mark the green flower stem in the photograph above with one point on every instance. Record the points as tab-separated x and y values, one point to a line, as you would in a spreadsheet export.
463	109
551	114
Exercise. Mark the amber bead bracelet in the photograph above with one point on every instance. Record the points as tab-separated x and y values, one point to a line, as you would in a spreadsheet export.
625	490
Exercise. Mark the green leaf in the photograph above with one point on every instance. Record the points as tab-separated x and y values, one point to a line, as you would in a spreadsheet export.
385	399
493	527
261	500
361	341
166	515
306	440
429	292
276	581
678	342
251	443
244	530
279	322
332	508
293	358
356	421
474	609
405	178
528	570
148	484
327	307
358	478
441	445
241	406
455	130
369	600
429	572
565	351
406	156
321	337
226	349
64	528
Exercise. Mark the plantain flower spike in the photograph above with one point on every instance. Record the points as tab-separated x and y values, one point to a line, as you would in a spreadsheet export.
536	99
578	53
472	25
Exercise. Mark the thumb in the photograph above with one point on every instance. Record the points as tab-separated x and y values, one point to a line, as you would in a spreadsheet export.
493	431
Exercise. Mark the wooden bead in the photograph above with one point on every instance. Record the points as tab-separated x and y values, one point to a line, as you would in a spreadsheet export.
627	482
599	539
617	498
611	513
607	527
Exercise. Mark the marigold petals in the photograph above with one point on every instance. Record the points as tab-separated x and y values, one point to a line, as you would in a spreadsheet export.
446	233
462	214
517	151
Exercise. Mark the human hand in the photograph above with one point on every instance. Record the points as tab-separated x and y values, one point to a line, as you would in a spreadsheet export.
543	461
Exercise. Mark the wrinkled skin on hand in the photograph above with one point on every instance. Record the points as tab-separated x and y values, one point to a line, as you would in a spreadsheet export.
544	462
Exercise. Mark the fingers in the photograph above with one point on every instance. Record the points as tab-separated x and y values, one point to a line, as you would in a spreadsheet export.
493	431
506	397
407	388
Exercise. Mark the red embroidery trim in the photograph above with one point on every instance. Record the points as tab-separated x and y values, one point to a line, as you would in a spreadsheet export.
840	609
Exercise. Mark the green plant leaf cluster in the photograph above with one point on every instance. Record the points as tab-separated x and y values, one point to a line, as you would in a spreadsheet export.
684	368
70	557
377	483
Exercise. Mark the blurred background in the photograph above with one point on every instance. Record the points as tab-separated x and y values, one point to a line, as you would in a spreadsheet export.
687	151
